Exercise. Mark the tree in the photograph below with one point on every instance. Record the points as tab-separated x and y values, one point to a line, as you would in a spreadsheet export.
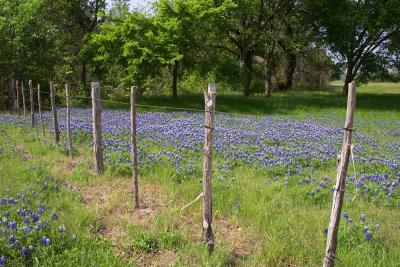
188	25
355	31
135	43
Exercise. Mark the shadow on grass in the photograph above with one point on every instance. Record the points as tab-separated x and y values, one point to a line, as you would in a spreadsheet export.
278	103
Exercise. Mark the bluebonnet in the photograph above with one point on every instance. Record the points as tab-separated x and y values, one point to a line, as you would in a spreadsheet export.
45	241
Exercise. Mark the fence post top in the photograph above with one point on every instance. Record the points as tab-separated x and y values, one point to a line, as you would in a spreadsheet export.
212	88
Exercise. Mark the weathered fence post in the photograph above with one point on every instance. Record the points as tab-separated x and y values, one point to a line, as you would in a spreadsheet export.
97	141
338	192
209	98
53	108
69	137
135	186
32	104
40	110
17	100
23	98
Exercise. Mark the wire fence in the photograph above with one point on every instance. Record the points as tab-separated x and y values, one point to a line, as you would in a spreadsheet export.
180	143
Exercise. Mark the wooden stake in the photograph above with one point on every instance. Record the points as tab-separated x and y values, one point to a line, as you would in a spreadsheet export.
97	141
17	100
338	193
69	135
53	108
209	98
135	186
40	111
32	104
23	98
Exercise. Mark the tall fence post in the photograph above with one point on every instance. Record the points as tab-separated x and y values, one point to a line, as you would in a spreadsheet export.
40	110
97	141
32	103
53	108
135	186
339	190
69	137
209	98
23	98
17	100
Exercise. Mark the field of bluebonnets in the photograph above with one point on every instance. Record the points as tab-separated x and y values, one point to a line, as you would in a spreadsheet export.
273	180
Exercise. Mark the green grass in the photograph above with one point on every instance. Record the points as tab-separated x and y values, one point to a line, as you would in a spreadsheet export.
382	97
258	221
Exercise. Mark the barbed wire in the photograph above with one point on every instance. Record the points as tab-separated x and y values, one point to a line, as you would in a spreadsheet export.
72	96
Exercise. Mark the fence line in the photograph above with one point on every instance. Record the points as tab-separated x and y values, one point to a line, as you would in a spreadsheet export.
209	112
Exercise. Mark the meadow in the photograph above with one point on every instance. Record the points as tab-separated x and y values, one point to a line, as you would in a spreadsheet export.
274	169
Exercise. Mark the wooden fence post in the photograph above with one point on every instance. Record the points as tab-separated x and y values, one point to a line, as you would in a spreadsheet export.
97	140
135	186
32	104
69	137
23	98
40	111
209	98
17	100
53	108
338	192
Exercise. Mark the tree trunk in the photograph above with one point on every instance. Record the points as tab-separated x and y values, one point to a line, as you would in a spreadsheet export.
267	82
289	70
175	79
247	73
13	93
348	79
84	77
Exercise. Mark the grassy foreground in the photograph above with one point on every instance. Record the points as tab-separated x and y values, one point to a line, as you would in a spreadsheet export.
259	219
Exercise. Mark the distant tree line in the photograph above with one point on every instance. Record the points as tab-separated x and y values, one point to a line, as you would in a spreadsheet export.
250	46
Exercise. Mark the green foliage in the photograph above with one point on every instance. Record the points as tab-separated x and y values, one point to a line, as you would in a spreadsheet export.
147	241
358	32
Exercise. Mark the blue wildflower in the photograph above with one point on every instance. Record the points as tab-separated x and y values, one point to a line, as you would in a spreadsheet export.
368	235
54	216
24	252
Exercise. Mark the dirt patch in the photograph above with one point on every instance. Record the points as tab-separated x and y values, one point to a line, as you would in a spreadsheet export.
242	243
112	199
25	155
157	259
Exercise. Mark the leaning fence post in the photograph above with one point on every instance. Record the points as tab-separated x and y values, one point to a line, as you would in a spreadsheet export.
135	186
339	189
97	141
69	137
209	98
32	104
17	90
23	98
40	111
53	108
